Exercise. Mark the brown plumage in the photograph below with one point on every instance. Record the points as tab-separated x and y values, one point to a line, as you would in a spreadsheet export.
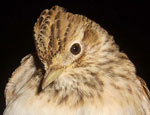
84	72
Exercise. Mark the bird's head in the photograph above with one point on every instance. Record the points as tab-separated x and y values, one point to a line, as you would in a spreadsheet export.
73	48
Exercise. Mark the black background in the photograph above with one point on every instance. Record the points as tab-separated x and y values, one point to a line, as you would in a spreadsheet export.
126	20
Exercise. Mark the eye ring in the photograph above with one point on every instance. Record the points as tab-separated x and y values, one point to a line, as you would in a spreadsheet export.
75	49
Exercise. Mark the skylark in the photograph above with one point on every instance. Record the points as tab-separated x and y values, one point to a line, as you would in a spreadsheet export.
84	72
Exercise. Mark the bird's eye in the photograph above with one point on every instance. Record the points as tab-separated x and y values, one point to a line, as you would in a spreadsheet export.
75	49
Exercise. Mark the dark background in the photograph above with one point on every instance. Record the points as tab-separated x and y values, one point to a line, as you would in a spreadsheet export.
126	20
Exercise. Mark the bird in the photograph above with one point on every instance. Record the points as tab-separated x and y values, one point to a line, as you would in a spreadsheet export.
77	69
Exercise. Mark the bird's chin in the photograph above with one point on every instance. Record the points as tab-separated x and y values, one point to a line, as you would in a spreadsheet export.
65	82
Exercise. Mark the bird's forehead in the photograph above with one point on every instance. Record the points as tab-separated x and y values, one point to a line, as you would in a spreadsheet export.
56	29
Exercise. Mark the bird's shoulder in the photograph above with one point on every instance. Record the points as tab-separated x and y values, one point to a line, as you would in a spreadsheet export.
20	76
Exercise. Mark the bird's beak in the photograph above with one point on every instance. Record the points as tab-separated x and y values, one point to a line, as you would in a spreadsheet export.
50	76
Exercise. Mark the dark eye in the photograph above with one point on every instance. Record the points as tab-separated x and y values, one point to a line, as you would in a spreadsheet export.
75	49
